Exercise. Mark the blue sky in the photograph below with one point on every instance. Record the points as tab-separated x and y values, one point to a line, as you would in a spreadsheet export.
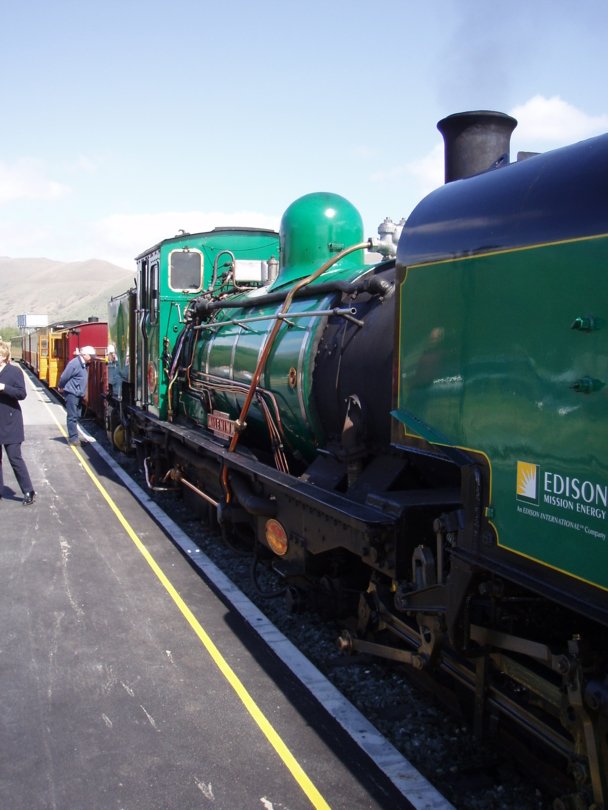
124	121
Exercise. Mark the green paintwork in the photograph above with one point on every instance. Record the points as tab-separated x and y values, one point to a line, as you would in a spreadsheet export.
156	338
118	329
314	228
232	353
508	357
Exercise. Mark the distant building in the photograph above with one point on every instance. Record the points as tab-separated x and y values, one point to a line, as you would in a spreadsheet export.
29	321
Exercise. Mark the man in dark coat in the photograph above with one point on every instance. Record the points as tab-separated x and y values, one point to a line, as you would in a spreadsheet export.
12	389
73	385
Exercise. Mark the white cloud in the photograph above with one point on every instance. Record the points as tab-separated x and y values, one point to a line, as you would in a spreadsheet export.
121	237
363	152
543	124
117	238
27	179
84	165
23	238
552	121
426	173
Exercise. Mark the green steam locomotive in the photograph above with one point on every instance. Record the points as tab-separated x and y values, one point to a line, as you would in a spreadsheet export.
411	429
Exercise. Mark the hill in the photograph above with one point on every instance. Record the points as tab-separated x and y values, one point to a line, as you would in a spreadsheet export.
61	290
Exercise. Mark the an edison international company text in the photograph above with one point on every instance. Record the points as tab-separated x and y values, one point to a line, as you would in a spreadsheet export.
569	501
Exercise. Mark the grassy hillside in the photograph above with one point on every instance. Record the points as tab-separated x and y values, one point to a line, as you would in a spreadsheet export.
60	290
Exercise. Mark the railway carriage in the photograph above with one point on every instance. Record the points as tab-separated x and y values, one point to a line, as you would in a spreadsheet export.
16	344
65	341
35	350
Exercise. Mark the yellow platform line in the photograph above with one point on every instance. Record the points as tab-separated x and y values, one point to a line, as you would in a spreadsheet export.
288	759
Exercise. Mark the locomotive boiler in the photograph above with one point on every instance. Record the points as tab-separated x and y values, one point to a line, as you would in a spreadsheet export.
418	442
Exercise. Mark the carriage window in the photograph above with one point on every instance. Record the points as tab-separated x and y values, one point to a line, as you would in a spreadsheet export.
186	270
143	284
154	293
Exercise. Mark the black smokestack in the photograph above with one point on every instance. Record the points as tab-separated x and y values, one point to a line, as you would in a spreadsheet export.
475	141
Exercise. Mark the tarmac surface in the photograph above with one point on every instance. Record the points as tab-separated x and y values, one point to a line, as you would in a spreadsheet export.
127	682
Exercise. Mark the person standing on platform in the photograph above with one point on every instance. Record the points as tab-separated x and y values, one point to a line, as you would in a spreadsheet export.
12	389
73	384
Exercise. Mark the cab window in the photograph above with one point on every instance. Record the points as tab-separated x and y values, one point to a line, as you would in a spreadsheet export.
154	293
186	270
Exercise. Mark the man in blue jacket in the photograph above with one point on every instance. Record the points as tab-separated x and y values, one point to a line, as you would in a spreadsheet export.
73	383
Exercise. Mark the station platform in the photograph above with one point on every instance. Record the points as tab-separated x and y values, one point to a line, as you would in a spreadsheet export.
127	682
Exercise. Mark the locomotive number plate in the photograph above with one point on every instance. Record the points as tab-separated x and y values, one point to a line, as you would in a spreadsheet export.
221	424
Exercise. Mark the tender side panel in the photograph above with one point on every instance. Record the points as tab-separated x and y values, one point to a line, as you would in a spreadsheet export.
509	357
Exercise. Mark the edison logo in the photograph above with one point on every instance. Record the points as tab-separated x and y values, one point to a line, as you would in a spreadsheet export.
527	482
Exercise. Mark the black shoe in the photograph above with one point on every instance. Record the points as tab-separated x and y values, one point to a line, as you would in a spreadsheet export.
73	442
28	498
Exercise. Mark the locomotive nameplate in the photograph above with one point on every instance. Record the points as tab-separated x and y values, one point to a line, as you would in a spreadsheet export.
221	424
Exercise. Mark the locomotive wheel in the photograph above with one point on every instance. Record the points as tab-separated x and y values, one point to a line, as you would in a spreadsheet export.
119	438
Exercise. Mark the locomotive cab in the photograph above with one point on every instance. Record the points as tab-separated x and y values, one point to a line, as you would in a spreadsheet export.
145	323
